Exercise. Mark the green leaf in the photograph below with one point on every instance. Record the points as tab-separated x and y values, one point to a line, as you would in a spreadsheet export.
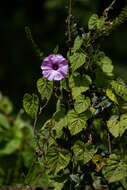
113	126
117	128
95	22
45	88
6	105
123	123
111	95
77	60
100	22
59	117
77	44
81	103
28	156
31	104
77	122
76	80
119	88
105	64
92	23
14	143
79	84
60	120
57	159
40	176
116	169
64	84
83	151
56	49
4	122
58	186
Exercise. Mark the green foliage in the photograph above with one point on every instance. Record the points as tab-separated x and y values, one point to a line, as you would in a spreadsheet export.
4	122
16	148
82	143
111	95
116	168
92	21
5	104
31	104
83	152
79	84
39	177
77	44
95	22
77	60
45	88
116	127
60	120
77	122
119	88
57	159
81	104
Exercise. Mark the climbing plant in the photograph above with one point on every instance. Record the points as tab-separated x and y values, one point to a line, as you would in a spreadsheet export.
82	145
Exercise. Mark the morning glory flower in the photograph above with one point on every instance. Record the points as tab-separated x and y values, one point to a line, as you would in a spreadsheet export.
54	67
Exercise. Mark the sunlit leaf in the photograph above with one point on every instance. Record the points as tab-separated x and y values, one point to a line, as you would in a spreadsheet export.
77	122
45	88
79	84
57	159
77	60
117	128
77	44
116	168
111	95
83	151
92	23
119	88
81	103
60	120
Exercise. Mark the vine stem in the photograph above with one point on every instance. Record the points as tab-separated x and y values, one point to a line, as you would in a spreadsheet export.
35	123
105	13
109	144
69	20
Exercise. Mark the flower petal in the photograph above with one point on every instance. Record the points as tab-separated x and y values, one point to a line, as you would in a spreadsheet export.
54	74
56	58
46	66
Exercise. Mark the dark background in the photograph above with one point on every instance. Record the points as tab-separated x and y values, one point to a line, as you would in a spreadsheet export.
19	66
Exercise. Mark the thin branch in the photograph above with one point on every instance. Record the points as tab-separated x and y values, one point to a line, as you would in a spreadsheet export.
35	124
122	17
109	144
37	178
105	13
69	20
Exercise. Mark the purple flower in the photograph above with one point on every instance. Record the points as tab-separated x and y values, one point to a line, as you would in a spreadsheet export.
54	67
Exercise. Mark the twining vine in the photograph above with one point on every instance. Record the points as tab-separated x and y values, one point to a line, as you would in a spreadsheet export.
78	146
